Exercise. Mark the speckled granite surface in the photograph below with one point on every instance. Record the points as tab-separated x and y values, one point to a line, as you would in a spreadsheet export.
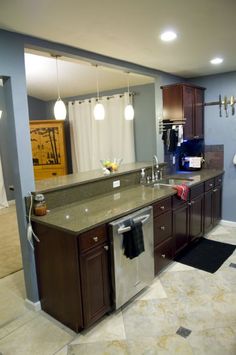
83	215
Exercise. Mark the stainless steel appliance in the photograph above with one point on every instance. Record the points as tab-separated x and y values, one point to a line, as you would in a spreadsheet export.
131	275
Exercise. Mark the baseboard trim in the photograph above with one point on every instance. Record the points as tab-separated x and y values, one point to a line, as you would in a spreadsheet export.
228	223
34	306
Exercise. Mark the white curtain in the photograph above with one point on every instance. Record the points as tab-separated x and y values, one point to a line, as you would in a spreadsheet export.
3	197
92	141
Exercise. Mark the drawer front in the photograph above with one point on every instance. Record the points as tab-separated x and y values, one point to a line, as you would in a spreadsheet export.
209	184
161	207
92	238
163	255
218	180
197	190
162	227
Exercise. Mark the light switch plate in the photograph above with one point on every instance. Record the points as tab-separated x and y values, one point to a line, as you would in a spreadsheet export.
116	183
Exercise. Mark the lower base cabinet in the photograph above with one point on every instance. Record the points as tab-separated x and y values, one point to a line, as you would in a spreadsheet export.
73	275
180	227
163	255
95	284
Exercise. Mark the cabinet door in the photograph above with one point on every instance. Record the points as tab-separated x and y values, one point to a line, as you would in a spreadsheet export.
196	217
188	108
199	114
208	213
180	227
95	284
217	202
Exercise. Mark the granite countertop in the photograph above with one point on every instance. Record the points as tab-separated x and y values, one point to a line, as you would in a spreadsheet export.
80	216
60	182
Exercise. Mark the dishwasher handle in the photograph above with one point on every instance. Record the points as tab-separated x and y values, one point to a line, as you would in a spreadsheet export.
144	219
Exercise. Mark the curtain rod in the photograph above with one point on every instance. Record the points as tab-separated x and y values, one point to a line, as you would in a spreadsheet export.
107	97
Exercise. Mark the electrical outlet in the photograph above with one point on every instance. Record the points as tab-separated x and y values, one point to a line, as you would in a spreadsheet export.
116	183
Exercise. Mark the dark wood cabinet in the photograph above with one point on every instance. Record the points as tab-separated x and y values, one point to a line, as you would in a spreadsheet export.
180	227
95	283
212	203
196	210
185	103
163	238
73	275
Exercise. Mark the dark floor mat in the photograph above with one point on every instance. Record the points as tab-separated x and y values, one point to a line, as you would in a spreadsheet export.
205	254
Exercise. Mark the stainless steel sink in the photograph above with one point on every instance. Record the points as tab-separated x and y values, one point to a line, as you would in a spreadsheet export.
170	182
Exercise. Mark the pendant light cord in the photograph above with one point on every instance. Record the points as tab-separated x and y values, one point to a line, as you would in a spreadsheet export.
97	83
58	91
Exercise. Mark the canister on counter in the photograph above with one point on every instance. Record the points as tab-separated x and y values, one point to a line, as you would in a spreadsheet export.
40	207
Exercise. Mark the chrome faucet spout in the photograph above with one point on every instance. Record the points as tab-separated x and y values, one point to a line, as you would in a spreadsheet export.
155	164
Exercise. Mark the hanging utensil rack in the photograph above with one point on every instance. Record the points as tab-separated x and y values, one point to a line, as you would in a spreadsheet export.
225	103
164	125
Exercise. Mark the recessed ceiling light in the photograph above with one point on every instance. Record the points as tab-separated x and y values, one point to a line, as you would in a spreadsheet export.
168	36
216	61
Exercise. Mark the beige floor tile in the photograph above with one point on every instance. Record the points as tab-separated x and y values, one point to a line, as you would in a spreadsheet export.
63	351
218	341
110	328
154	291
39	336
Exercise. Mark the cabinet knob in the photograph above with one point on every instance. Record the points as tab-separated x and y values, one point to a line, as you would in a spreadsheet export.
196	137
219	180
162	228
106	247
95	239
210	185
163	256
162	208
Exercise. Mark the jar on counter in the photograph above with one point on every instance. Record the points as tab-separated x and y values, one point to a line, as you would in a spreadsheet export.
40	207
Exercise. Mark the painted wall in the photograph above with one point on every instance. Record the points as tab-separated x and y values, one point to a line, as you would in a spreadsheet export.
37	108
222	131
8	175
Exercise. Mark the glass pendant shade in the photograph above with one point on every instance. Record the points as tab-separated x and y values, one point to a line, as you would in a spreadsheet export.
99	112
129	112
0	113
60	110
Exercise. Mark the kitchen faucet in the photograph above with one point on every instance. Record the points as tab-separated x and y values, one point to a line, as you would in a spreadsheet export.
154	164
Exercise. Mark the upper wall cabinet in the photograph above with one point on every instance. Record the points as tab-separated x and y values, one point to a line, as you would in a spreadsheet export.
48	148
185	102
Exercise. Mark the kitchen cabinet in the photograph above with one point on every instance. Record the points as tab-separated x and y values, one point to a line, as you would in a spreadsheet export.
48	148
163	236
185	103
212	203
73	276
196	210
180	226
95	276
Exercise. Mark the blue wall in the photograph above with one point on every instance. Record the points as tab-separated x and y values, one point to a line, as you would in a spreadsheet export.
221	130
37	108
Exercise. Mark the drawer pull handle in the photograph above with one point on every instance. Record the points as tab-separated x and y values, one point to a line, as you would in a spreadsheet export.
210	185
162	228
215	190
163	256
106	247
95	239
219	180
162	208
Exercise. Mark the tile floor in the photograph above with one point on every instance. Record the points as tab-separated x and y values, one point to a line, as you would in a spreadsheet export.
181	296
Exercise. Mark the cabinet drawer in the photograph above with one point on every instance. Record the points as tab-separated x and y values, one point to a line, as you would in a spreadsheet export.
163	255
196	191
218	180
92	238
162	227
209	184
161	207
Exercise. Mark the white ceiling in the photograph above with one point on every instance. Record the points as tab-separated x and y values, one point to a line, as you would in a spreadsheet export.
75	77
130	29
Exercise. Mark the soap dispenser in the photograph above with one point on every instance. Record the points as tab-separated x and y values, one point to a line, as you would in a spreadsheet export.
143	176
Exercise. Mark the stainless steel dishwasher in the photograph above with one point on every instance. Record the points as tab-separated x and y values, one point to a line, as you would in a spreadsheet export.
131	275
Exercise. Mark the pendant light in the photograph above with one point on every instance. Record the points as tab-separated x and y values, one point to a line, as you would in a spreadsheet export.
129	110
99	111
59	107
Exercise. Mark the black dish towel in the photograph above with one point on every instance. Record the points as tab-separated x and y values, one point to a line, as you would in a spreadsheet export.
133	243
